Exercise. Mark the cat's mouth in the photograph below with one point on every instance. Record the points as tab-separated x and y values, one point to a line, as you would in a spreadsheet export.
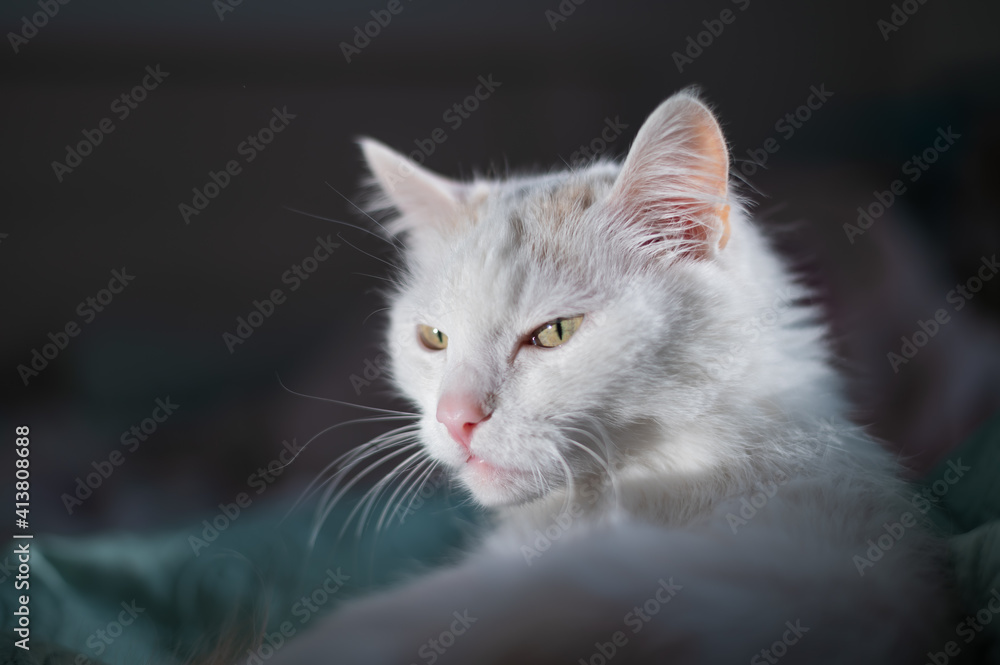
491	483
477	464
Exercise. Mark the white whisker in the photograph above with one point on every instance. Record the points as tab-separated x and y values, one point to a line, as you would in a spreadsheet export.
388	504
356	406
370	498
311	488
336	499
423	481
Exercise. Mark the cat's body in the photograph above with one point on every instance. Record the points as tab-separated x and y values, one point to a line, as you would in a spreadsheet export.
686	450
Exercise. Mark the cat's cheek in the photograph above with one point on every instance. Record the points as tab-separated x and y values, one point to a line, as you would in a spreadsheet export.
417	377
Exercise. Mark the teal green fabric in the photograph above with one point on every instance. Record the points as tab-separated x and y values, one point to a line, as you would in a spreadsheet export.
974	498
127	599
262	565
977	572
965	490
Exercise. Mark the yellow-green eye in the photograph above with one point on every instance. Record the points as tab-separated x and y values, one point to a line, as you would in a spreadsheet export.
556	332
432	338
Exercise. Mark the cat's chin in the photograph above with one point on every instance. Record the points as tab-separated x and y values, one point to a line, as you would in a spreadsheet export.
493	486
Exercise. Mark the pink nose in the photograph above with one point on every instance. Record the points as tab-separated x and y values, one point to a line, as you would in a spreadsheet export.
460	412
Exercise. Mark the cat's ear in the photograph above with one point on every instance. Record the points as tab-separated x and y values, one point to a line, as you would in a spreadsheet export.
673	188
421	197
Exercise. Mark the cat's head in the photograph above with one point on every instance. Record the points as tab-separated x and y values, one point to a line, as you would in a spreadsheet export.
536	314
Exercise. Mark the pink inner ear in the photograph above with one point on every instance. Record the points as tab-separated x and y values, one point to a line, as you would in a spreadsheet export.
674	183
694	236
724	218
713	175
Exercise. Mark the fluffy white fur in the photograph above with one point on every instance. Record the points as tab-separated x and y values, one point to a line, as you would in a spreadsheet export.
696	382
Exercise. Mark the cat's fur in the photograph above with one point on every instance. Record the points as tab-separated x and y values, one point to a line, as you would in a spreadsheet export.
698	378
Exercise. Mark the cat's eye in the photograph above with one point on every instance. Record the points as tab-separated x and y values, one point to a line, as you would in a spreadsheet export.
432	338
556	332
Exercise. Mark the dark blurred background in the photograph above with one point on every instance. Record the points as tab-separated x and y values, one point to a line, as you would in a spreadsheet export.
562	72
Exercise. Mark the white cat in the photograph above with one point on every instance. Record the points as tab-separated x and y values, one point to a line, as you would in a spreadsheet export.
615	361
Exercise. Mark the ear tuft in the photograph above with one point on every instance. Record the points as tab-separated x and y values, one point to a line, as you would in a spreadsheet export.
673	190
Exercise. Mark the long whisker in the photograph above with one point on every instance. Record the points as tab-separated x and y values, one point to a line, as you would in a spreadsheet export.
391	239
358	455
337	221
423	481
384	279
539	479
402	485
336	499
604	464
376	419
373	491
570	485
371	256
308	491
371	496
605	440
381	442
380	309
337	401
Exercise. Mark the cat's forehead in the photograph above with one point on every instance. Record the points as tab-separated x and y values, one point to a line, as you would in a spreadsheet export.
540	222
541	206
525	244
